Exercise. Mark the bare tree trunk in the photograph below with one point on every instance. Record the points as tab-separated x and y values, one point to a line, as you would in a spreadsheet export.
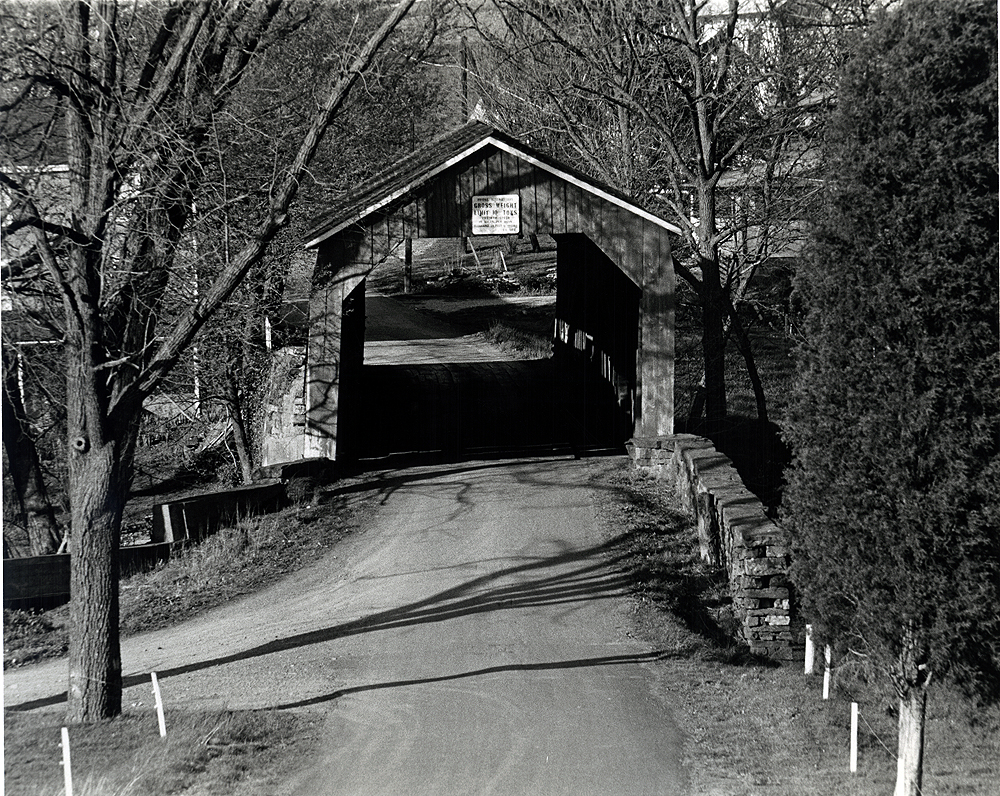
98	493
735	325
235	409
33	503
743	344
100	458
910	762
911	679
713	342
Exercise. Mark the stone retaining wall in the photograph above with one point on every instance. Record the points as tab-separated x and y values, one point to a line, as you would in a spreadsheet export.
735	533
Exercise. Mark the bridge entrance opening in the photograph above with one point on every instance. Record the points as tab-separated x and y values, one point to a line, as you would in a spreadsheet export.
608	372
432	383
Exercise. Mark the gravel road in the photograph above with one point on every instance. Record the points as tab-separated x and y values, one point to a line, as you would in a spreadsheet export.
470	639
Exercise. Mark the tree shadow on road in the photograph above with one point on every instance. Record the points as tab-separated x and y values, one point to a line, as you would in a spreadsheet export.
579	663
572	576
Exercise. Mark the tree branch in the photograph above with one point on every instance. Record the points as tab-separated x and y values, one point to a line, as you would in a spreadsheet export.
184	331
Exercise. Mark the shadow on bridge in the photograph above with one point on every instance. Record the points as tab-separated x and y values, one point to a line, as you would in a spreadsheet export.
479	409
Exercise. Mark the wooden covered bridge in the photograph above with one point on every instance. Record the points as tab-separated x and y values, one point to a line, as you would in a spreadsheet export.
615	282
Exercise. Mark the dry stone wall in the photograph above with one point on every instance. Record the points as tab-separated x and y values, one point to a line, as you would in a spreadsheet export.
735	533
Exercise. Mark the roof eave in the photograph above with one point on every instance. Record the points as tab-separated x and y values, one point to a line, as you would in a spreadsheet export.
587	186
399	192
506	146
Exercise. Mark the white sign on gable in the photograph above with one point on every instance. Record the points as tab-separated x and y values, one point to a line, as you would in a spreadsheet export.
496	215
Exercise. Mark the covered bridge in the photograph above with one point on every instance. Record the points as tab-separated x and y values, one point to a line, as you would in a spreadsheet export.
615	282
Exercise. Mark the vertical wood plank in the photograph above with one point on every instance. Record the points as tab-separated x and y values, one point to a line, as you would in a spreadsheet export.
500	180
657	333
560	217
544	222
466	189
321	365
451	197
527	179
481	177
420	217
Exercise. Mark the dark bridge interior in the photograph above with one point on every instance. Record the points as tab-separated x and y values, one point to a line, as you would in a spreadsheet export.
580	399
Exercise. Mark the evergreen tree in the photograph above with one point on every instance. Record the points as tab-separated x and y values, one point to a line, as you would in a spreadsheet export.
895	421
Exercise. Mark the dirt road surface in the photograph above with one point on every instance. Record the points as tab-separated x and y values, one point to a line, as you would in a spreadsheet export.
470	639
396	334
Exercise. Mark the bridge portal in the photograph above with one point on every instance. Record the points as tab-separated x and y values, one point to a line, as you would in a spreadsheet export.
614	324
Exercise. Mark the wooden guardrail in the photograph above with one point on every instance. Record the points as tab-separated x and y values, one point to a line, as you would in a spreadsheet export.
44	581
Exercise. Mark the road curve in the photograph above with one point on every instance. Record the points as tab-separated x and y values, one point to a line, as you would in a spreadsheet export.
469	640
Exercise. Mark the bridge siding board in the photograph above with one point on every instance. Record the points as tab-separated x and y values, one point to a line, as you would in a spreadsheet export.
511	175
466	190
343	267
658	341
480	177
526	191
543	219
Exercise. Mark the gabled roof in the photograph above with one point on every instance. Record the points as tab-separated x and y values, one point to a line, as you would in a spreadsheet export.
407	176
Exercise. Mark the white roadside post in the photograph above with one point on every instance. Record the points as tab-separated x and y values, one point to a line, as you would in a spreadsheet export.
826	675
67	767
159	706
854	737
809	650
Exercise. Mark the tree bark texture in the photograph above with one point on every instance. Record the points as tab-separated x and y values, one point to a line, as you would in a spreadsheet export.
910	762
100	457
98	497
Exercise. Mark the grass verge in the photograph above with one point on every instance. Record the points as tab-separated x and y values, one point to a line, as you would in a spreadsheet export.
256	753
753	728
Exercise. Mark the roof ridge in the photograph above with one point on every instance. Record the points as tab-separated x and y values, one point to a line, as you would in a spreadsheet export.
414	170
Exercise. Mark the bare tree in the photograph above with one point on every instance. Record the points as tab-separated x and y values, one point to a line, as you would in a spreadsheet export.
138	86
706	111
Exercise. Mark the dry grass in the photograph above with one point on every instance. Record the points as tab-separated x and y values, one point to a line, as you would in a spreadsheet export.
217	752
518	343
756	729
